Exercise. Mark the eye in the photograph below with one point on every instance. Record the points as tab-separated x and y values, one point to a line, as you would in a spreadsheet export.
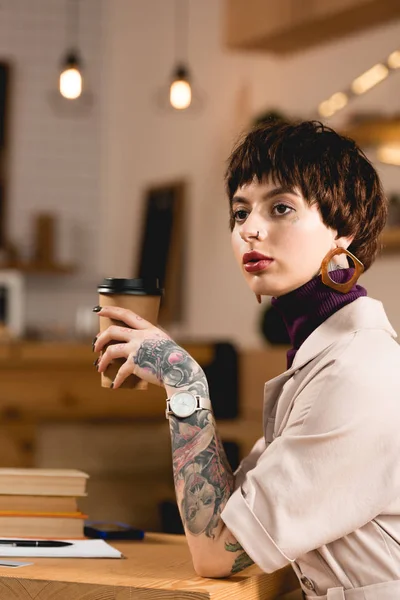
239	215
282	209
192	513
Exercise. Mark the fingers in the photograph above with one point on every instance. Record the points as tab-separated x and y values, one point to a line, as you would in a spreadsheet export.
126	316
123	373
113	333
113	351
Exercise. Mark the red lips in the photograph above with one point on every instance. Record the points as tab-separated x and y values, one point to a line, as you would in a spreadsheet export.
254	257
255	261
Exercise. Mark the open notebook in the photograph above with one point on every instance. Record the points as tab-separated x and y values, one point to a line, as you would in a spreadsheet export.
79	549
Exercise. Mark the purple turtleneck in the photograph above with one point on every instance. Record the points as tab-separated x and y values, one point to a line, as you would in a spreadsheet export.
304	309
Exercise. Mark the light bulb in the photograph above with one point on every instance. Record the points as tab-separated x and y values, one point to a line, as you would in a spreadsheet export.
325	109
336	102
389	154
394	60
71	83
180	94
369	79
180	91
339	100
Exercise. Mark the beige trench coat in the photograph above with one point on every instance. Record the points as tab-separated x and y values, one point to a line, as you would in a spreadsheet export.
321	489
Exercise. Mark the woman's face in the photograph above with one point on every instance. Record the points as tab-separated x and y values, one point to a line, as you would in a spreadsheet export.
292	238
200	503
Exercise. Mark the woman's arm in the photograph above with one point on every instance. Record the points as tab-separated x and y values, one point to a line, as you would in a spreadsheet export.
203	478
203	483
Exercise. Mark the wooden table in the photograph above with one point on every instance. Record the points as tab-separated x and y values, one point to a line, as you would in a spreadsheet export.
159	567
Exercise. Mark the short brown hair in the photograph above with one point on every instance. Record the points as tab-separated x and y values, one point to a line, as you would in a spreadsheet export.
326	167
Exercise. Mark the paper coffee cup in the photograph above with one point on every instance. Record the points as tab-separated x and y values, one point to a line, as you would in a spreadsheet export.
142	296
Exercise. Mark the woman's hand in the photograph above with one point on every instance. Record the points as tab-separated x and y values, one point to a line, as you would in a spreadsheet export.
149	352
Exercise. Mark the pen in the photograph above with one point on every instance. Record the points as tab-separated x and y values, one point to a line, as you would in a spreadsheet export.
34	543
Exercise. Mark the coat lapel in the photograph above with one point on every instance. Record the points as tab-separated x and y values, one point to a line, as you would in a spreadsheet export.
361	314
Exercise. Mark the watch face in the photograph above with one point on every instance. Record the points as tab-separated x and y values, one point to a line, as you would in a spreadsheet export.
183	404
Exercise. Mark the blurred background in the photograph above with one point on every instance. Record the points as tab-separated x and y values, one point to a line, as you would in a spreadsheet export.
92	172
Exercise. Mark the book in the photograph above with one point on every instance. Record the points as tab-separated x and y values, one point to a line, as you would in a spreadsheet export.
43	482
48	504
42	525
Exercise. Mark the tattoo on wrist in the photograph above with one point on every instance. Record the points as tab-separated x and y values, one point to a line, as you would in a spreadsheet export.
242	561
200	463
172	365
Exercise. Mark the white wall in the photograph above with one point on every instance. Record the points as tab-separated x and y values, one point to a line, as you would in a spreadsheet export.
54	156
143	147
91	170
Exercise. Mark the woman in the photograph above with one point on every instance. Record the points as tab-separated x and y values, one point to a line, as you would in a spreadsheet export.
321	489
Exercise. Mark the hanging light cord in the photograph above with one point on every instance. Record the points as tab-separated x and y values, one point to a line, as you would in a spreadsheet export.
181	31
72	21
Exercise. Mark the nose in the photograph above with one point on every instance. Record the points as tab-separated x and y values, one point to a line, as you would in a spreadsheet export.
253	228
249	234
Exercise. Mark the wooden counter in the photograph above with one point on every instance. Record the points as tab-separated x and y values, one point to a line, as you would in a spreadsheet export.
56	382
157	568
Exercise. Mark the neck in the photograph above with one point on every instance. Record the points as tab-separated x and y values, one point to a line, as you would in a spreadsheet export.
304	309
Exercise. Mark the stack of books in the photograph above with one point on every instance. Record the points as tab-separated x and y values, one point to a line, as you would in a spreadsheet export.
41	503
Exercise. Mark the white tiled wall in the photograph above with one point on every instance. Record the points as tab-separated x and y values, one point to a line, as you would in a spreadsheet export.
54	153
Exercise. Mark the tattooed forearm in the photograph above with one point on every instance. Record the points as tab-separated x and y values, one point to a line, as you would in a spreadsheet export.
172	365
242	561
203	477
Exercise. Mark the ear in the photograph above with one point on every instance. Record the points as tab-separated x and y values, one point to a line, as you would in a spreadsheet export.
344	242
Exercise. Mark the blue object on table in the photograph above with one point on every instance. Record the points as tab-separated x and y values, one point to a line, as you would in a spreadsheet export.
105	530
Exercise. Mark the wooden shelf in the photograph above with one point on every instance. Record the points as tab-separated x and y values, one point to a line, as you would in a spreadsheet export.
375	131
292	25
40	268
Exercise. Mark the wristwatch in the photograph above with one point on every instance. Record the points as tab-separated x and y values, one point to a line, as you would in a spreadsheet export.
185	404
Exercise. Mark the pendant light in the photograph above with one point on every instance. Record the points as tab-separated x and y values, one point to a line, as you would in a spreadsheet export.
360	85
181	95
71	80
71	77
180	91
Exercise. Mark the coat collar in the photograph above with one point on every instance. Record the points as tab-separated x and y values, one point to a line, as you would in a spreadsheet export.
363	313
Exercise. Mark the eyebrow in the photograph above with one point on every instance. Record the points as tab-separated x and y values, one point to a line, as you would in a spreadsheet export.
278	191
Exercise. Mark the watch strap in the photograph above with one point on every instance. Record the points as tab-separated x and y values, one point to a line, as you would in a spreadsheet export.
202	404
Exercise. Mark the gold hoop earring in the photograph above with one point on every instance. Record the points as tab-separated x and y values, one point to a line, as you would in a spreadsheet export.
340	287
258	298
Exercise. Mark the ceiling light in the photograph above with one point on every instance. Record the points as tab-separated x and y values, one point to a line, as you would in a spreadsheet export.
70	80
393	60
180	94
369	79
339	100
336	102
70	77
389	154
325	109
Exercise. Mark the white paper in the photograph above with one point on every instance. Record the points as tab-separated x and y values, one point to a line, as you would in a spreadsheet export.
78	549
14	564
